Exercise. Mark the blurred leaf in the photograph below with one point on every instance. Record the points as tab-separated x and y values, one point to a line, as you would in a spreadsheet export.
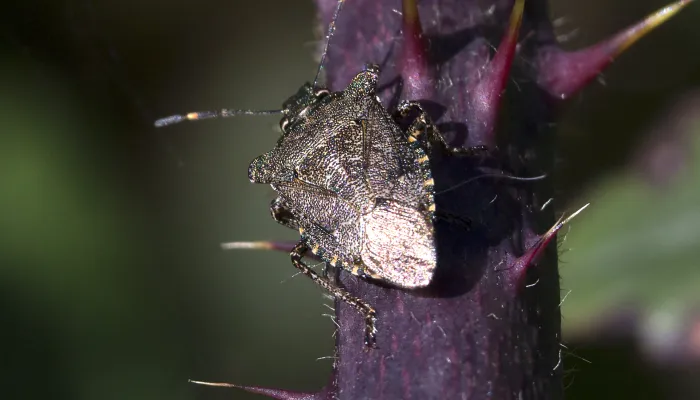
75	309
635	251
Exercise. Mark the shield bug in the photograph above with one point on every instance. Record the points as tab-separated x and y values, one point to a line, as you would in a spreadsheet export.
357	187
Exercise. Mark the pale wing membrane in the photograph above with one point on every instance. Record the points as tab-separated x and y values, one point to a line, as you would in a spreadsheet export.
398	244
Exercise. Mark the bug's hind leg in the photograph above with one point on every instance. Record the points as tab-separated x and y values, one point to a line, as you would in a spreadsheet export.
325	248
365	309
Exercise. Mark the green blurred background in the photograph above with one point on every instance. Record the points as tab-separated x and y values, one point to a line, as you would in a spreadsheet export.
112	281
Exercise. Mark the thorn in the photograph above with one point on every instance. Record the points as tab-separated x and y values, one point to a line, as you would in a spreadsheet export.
417	77
563	73
486	95
558	362
571	353
333	318
522	263
546	203
533	284
285	247
279	246
272	393
563	299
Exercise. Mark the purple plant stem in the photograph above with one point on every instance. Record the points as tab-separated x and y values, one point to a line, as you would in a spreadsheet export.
489	325
480	333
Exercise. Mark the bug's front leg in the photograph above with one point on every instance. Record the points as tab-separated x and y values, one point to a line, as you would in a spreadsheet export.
424	130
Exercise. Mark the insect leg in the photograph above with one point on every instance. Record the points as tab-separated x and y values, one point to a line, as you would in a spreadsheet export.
281	213
421	134
423	124
369	313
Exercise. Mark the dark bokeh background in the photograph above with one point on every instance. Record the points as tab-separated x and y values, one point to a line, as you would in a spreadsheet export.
112	282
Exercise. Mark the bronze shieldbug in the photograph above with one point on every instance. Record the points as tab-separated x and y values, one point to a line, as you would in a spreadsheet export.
357	187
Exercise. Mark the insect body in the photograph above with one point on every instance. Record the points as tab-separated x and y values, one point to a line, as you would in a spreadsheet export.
357	188
360	191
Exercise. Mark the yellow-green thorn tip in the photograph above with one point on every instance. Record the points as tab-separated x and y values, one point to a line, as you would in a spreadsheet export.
563	221
279	394
285	247
535	248
563	73
247	246
632	34
219	384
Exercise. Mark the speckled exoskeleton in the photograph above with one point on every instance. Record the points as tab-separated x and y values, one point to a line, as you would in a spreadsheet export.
357	188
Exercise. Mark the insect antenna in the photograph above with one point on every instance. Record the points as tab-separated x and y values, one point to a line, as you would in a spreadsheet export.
223	113
331	29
